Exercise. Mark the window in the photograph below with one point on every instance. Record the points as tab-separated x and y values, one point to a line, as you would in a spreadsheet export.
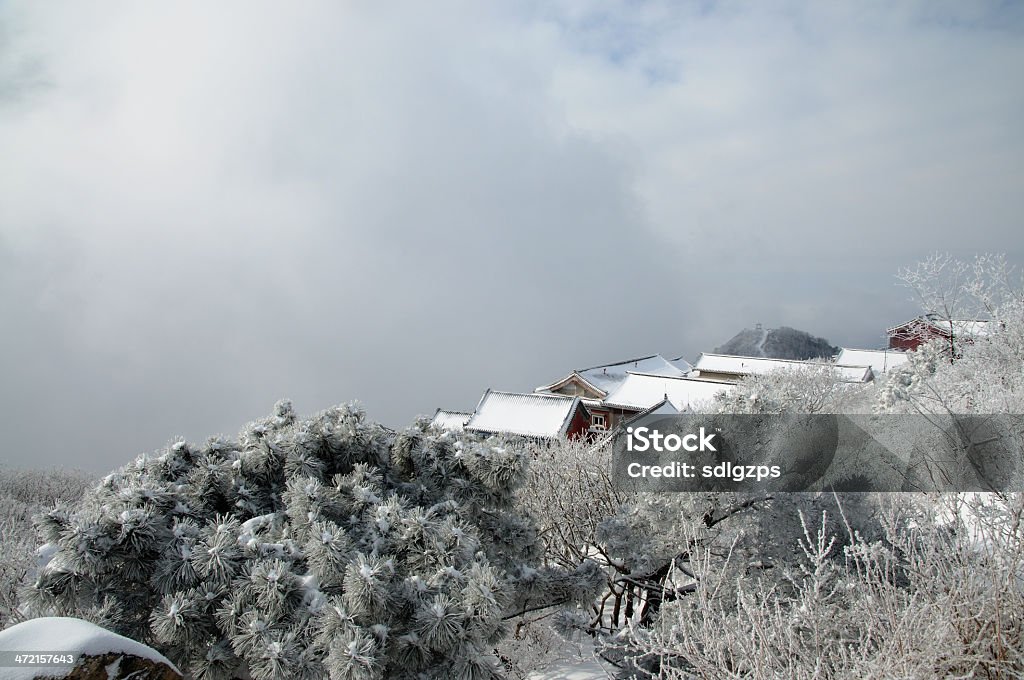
597	422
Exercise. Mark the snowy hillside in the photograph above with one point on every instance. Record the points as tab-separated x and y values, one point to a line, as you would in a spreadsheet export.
777	343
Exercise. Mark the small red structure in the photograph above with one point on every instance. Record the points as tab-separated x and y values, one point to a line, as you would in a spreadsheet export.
910	335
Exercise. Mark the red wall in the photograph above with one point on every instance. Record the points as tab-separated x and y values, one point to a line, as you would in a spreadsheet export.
905	343
912	336
579	425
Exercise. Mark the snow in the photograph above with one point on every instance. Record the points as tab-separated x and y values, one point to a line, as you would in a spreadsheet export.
531	415
54	634
961	327
584	669
450	420
762	341
742	366
879	360
607	377
610	376
256	524
643	390
682	364
663	408
45	553
970	327
580	663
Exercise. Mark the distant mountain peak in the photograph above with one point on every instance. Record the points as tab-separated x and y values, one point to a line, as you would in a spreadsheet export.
778	343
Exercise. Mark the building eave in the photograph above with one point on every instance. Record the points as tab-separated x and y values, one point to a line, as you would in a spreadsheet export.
574	376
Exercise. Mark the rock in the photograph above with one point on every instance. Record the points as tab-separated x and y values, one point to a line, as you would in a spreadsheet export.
120	666
99	654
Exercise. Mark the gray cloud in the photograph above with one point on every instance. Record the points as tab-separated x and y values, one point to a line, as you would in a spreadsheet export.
203	209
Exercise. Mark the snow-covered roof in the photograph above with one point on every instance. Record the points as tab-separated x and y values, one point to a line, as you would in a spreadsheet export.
643	390
880	360
662	408
968	327
450	420
530	415
682	364
973	327
59	635
607	377
742	366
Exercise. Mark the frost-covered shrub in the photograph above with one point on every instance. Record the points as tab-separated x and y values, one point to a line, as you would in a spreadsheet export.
644	541
43	487
328	546
912	381
939	594
978	373
936	590
534	645
986	377
815	388
569	494
23	494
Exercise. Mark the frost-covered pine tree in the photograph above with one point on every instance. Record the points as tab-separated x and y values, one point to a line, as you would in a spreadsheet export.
324	547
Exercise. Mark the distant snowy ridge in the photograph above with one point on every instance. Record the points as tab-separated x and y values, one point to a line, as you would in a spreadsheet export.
778	343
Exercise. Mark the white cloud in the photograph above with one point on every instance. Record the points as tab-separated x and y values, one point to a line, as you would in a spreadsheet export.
206	207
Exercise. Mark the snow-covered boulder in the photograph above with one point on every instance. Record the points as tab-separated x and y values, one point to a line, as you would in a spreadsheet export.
98	653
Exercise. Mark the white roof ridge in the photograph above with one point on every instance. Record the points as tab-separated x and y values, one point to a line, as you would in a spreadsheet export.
879	360
673	377
574	374
540	395
741	356
654	407
619	363
937	319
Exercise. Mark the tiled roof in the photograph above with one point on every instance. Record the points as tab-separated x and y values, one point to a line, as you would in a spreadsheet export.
607	377
880	360
969	327
662	408
450	420
643	390
529	415
682	364
741	366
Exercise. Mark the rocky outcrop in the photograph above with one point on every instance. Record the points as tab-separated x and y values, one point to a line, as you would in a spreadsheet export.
120	666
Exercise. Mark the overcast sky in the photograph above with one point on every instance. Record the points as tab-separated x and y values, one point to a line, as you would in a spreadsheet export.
206	207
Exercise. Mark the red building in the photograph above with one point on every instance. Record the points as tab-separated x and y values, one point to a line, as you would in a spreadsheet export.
593	385
910	335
